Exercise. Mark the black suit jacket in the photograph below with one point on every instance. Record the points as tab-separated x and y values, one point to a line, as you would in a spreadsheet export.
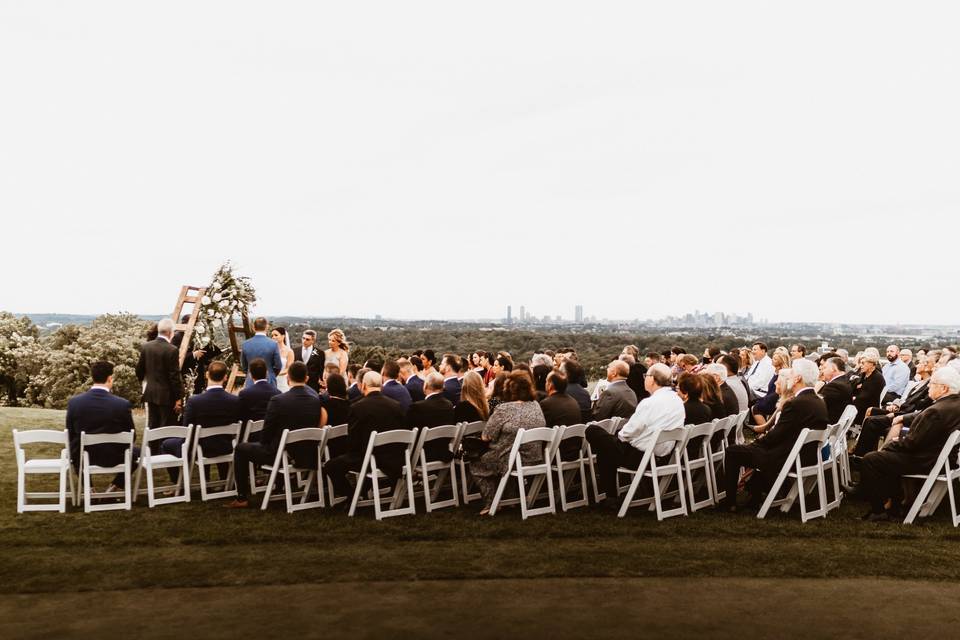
921	446
695	412
254	400
415	387
314	365
731	406
159	367
451	390
435	411
837	394
582	396
466	412
373	412
805	411
213	408
298	408
98	411
338	410
561	409
918	399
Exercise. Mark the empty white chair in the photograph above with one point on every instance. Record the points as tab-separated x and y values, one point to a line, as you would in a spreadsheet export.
466	481
569	470
282	464
697	466
333	434
516	469
253	428
59	466
87	470
660	476
370	471
936	484
150	461
202	460
804	477
740	424
437	469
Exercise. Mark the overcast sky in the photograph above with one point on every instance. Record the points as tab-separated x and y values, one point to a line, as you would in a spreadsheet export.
443	160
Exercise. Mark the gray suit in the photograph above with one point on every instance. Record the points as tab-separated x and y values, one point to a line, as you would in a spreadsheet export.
617	401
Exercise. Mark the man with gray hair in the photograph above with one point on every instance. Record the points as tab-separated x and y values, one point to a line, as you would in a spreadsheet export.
159	370
617	400
911	452
662	410
541	359
768	453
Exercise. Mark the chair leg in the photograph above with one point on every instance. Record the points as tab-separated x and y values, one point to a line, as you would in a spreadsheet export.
266	494
523	495
499	494
287	489
627	499
921	497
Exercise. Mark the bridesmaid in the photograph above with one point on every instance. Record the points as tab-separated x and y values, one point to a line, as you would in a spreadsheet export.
337	353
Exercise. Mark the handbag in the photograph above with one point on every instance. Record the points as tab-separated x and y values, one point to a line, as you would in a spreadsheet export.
472	447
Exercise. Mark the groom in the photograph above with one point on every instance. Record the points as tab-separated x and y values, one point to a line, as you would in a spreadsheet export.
260	346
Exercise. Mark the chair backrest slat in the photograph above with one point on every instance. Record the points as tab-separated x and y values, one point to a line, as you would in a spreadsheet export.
51	436
89	439
161	433
537	434
309	434
232	429
396	436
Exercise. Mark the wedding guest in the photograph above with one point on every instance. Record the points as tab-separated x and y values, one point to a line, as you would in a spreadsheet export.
868	385
501	364
797	351
473	404
392	388
745	358
411	380
576	388
449	368
836	391
636	373
734	382
279	335
896	374
906	355
255	398
617	400
519	410
761	372
486	363
496	390
687	363
651	359
690	390
159	368
900	412
336	408
354	391
662	410
314	358
260	346
429	359
764	407
298	408
339	350
98	411
712	396
719	373
433	411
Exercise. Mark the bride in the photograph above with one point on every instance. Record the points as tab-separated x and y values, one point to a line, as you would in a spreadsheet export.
286	356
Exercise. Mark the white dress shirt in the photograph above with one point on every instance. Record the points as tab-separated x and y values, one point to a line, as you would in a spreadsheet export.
761	373
306	353
662	410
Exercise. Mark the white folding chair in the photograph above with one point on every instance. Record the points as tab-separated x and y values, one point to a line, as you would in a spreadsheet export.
440	471
718	453
611	426
202	461
740	423
150	461
843	453
253	427
87	470
831	464
282	464
697	466
516	469
568	470
659	475
937	483
59	466
369	471
804	477
333	433
468	429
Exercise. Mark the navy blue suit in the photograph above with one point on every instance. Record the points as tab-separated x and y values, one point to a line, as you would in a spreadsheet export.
212	408
415	387
395	390
99	411
354	393
260	346
254	400
451	390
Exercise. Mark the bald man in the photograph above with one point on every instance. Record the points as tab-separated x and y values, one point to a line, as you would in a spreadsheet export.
618	400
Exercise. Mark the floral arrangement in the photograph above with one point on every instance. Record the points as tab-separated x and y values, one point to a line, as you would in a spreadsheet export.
228	295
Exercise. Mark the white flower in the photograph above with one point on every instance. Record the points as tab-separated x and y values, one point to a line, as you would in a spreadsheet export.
200	329
216	297
205	300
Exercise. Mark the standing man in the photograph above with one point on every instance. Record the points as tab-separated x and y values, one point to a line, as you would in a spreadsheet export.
159	367
261	346
314	358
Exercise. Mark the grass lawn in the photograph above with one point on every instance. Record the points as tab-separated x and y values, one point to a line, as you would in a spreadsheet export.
45	558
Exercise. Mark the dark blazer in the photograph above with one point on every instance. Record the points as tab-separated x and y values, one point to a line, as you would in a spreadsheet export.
696	412
767	405
919	449
451	390
635	380
314	365
354	393
415	387
804	411
373	412
918	399
159	367
435	411
213	408
338	410
254	400
837	394
731	405
298	408
98	411
617	400
561	409
582	396
393	389
867	393
466	412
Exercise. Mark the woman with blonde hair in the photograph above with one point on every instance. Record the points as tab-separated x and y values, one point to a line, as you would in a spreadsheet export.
473	405
785	381
766	405
338	351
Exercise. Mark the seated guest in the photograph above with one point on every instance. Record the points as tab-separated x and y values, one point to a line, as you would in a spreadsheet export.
662	410
745	358
411	380
298	408
728	404
434	411
915	452
797	352
540	373
690	390
428	359
734	382
868	384
449	368
486	363
761	371
764	407
332	368
473	405
907	356
836	391
98	411
354	392
636	374
800	408
560	409
501	364
391	385
899	413
496	391
687	363
896	374
373	412
576	388
617	400
519	410
651	359
215	407
336	407
254	399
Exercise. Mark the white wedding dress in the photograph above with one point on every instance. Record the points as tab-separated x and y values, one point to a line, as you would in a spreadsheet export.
282	384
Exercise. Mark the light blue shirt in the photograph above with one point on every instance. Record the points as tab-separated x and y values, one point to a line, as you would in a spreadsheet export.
896	374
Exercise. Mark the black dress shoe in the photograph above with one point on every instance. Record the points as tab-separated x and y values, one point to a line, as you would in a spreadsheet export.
608	504
870	516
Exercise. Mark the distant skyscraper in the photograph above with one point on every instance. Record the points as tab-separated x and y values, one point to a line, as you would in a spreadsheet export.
509	314
578	314
523	313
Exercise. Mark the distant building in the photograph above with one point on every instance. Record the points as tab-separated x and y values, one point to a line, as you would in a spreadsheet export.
523	313
509	314
578	314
